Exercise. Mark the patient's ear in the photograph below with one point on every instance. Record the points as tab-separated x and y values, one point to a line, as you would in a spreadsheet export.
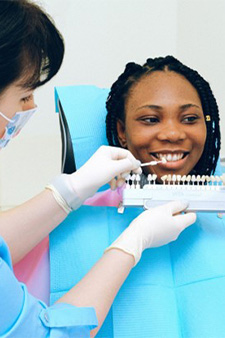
121	133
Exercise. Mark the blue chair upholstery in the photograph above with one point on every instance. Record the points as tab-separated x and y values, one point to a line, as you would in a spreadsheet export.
82	119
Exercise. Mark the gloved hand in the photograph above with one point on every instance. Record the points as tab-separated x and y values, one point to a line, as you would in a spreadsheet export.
107	165
153	228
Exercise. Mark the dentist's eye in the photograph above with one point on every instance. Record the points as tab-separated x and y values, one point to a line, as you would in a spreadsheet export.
27	98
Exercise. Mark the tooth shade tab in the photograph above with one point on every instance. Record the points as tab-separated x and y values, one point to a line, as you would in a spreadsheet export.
138	177
154	177
183	178
163	178
223	179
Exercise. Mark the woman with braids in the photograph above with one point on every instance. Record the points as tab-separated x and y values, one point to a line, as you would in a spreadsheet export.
165	109
31	53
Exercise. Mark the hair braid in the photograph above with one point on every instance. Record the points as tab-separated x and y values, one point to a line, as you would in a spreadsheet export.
116	100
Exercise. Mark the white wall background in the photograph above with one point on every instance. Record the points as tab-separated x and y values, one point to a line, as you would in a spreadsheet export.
101	36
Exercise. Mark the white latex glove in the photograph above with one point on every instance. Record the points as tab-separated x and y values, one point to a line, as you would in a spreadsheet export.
153	228
107	165
103	167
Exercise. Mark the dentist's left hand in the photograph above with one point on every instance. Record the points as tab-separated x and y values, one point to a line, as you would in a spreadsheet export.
107	165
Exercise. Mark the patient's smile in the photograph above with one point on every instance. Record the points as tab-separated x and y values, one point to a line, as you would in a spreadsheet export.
170	157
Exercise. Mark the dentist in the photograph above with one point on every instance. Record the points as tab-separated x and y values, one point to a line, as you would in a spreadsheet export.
31	53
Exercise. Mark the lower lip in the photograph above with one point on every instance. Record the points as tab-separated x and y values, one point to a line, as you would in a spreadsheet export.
176	165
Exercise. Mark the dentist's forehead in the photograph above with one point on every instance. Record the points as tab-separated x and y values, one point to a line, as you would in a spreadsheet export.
14	90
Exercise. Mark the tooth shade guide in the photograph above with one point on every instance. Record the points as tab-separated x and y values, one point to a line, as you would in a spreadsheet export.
188	182
206	194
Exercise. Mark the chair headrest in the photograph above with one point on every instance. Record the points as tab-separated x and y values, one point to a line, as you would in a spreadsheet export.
85	112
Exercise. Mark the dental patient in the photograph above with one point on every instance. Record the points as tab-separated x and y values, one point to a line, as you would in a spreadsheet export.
163	111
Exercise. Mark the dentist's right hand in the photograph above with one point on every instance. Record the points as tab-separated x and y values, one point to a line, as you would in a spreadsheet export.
153	228
106	165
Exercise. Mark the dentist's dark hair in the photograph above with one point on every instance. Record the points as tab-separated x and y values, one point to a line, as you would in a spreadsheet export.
31	47
133	73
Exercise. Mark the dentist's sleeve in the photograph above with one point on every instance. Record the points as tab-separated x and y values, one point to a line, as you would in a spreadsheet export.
23	316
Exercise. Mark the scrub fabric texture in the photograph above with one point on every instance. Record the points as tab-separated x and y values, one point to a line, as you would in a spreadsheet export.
24	316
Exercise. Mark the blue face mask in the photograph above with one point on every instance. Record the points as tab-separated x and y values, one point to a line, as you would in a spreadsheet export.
15	125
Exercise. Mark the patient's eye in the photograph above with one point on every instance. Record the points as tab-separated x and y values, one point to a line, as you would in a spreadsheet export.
190	119
149	120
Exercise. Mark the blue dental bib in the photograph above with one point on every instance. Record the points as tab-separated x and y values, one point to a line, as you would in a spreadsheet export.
175	291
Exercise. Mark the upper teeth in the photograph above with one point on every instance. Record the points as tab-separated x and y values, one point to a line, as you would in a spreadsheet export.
170	157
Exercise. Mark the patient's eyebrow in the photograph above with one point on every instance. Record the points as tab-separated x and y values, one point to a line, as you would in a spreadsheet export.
183	107
151	106
189	105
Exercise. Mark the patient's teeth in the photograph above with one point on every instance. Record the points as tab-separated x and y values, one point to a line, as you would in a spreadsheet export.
170	157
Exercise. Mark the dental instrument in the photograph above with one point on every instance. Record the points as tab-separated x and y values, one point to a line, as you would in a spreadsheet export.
153	162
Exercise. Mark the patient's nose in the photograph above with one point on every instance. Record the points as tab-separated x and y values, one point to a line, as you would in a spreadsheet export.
172	132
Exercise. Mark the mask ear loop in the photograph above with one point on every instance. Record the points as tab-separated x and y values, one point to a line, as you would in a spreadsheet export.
9	120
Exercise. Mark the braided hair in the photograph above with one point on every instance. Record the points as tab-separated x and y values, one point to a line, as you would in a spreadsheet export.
133	73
